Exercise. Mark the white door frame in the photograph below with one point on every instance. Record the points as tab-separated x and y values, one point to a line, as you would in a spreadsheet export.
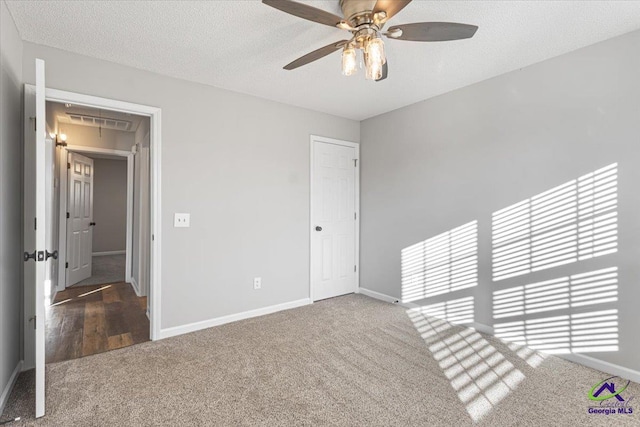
155	116
64	208
313	139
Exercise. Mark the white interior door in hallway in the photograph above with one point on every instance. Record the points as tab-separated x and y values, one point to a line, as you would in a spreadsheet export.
80	218
333	218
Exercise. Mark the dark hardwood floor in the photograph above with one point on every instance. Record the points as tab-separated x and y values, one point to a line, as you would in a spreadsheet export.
86	320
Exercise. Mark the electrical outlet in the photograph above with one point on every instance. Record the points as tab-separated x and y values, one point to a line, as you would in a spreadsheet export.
181	220
257	282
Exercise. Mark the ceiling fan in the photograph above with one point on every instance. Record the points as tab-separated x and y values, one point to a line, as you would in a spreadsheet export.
365	19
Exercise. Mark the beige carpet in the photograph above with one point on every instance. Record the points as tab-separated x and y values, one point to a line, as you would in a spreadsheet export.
349	361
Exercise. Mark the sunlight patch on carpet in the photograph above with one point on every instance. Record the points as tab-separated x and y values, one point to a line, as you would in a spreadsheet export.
480	374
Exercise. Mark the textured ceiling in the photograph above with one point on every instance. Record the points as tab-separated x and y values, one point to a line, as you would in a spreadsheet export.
243	45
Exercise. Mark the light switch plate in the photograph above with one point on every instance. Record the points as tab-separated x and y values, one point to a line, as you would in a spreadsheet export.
181	220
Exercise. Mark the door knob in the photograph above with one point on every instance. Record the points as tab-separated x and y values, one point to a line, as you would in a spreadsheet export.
318	228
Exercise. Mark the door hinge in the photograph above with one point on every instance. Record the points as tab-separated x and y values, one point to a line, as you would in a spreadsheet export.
66	265
153	237
67	215
34	318
355	163
355	215
354	268
68	165
35	223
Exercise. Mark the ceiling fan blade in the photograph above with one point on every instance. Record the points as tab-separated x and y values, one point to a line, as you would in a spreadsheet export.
432	31
390	7
385	71
316	54
304	11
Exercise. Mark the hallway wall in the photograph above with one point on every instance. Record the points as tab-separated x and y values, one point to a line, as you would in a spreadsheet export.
109	205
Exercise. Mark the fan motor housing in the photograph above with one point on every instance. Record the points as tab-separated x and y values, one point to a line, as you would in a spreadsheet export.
358	12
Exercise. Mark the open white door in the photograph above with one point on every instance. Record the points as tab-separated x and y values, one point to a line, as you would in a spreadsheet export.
80	218
36	254
333	218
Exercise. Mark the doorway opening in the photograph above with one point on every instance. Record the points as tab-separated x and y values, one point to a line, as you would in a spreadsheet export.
102	226
98	239
41	249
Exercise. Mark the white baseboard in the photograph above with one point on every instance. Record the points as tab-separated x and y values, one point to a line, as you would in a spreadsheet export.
578	358
485	329
196	326
378	295
582	359
122	252
386	298
603	366
135	286
4	397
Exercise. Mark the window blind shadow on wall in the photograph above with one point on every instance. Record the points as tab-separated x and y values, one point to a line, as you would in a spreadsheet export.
565	225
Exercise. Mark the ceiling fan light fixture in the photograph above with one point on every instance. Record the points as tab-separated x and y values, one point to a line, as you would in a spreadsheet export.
374	57
365	20
374	70
375	49
349	61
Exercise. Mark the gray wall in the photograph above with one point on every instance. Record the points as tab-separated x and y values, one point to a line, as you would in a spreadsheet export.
444	162
10	196
110	205
238	164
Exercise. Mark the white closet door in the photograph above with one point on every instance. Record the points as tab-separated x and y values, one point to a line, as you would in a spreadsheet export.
334	222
